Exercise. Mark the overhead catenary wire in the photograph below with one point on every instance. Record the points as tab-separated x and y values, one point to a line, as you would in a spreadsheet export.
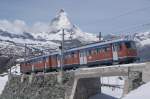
135	28
125	14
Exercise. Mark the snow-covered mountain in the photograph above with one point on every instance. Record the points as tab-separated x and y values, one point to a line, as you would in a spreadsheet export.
143	44
15	43
142	38
47	40
61	21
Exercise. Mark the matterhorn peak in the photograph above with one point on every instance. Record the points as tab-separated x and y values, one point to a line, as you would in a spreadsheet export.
61	11
61	21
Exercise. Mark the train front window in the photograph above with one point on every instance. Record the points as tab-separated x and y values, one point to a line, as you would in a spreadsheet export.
133	45
130	45
117	47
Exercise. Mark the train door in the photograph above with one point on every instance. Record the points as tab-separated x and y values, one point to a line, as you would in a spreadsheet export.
45	62
114	52
83	58
58	60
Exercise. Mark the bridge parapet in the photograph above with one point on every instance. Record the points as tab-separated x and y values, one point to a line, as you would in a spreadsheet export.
115	70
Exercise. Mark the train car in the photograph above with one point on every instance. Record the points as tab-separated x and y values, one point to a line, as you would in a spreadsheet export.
95	54
71	59
108	53
26	67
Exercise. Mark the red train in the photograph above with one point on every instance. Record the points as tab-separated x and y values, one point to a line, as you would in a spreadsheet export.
95	54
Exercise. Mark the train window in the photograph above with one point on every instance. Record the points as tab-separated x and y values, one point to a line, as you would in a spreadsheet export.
72	54
52	57
104	49
80	53
75	55
58	57
98	50
133	45
40	60
65	56
93	51
119	47
47	59
128	44
89	52
69	56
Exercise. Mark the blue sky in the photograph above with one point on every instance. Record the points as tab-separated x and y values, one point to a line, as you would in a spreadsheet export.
107	16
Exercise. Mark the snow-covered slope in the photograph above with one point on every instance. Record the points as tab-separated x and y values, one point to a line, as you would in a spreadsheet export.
15	70
3	82
142	92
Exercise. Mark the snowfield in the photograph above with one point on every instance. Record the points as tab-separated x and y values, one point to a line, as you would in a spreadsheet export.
143	92
110	92
115	92
3	81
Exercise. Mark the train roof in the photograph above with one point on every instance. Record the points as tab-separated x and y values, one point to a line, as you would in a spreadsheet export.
38	57
83	47
97	44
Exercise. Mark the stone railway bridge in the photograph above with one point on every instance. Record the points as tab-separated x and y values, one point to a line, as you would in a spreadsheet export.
87	80
78	84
